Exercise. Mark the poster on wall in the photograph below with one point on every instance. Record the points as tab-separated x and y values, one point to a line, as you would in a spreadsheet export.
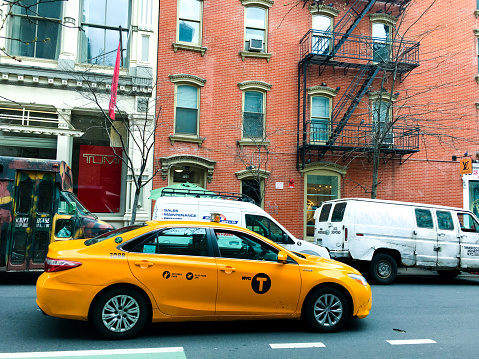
99	178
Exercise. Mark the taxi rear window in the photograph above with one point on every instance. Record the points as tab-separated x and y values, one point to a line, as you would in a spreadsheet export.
111	234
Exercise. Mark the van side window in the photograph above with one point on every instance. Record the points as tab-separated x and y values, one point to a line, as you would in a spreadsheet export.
424	218
338	212
266	227
324	215
467	222
444	221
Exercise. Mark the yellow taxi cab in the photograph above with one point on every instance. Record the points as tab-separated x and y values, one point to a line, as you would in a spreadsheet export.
184	271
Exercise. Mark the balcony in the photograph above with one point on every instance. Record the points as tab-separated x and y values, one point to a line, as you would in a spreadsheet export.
400	140
324	48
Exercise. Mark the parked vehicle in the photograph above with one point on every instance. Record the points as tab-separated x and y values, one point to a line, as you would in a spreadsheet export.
231	208
387	234
172	271
38	206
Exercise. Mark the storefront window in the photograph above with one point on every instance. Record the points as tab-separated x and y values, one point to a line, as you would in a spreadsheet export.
318	189
97	166
474	197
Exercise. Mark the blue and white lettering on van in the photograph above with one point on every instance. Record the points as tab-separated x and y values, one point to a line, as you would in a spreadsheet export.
222	219
173	213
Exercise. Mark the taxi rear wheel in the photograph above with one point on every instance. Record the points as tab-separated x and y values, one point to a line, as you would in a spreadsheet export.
326	310
119	313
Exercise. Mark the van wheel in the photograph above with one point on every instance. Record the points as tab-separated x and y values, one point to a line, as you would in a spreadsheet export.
448	274
119	313
383	269
326	310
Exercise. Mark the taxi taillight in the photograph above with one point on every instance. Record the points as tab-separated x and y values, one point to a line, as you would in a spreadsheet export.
56	265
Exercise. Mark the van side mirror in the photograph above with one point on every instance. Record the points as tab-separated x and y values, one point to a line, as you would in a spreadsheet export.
72	208
282	257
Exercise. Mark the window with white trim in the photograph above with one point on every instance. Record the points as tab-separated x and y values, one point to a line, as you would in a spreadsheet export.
186	109
35	29
253	114
100	23
190	14
381	41
320	118
322	34
256	19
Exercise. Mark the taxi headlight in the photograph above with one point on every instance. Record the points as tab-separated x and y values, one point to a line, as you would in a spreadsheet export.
358	278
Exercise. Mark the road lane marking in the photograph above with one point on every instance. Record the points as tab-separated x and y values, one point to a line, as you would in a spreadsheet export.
297	345
411	341
146	353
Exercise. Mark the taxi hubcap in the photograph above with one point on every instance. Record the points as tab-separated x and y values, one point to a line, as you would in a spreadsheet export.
328	310
120	313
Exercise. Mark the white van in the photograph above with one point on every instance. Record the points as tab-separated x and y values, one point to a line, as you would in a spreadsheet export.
386	234
243	214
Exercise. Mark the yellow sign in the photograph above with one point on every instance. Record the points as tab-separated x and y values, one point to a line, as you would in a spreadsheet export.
466	166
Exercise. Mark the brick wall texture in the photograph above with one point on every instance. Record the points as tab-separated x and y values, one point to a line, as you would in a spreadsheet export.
439	96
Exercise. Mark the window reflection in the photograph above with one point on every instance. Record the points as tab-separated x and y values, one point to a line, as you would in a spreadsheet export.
41	21
101	20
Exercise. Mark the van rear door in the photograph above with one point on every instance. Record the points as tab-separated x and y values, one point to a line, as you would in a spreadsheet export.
331	228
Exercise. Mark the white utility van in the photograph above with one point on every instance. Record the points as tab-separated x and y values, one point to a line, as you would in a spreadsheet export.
386	234
232	211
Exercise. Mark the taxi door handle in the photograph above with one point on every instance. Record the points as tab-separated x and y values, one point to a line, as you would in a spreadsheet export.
228	269
144	264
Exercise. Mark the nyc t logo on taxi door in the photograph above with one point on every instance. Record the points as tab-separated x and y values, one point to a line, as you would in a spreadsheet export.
261	283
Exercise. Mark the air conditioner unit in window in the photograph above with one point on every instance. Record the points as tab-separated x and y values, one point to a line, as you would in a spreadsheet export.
388	139
255	45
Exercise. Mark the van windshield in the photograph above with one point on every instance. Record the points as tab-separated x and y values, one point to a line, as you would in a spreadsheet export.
72	197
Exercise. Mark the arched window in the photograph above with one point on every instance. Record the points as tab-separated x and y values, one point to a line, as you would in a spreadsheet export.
322	182
321	98
254	109
187	104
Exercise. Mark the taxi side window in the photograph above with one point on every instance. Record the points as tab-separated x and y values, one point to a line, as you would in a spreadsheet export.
266	227
241	246
175	241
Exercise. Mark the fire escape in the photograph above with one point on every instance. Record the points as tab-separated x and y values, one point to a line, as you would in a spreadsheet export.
369	57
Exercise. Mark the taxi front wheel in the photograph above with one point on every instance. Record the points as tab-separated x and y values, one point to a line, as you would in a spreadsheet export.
326	310
119	313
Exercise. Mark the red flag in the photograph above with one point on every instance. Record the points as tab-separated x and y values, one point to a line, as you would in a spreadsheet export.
114	84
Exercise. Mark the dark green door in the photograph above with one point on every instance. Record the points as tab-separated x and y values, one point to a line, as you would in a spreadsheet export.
32	221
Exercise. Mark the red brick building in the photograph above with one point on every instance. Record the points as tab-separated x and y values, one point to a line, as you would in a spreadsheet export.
295	100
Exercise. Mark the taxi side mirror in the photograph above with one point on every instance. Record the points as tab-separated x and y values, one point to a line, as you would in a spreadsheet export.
282	257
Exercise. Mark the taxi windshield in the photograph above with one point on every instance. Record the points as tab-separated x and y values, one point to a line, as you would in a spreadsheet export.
111	234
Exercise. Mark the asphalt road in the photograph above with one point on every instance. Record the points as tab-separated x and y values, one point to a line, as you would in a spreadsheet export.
419	316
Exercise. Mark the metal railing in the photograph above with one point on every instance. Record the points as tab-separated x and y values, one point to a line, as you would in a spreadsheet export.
362	137
319	46
25	117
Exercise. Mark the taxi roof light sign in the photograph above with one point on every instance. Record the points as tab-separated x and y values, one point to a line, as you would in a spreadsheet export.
466	166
